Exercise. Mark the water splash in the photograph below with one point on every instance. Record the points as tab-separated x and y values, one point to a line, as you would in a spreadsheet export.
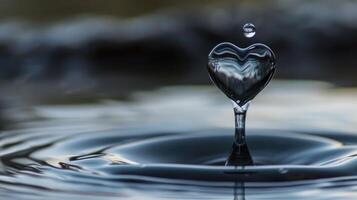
241	73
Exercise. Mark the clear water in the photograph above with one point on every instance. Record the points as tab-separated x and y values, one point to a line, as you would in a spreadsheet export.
173	143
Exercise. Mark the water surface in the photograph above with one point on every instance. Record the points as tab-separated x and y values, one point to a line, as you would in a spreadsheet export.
172	144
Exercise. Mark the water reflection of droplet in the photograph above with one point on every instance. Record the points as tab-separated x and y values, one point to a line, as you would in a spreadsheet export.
249	30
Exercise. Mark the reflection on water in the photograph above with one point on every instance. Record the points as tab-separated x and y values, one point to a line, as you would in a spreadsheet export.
173	142
239	191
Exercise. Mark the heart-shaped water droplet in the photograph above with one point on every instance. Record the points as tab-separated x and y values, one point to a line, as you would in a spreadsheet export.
241	73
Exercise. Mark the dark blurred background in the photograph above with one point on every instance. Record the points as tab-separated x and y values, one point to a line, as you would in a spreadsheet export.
112	47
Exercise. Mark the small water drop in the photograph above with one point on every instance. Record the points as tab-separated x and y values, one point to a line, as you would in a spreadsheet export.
249	30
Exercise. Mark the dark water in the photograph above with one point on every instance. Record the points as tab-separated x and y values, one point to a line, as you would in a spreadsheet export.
70	152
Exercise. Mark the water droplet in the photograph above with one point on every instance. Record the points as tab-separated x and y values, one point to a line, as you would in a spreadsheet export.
249	30
241	73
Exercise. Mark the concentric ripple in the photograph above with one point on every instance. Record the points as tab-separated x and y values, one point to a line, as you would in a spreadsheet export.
127	162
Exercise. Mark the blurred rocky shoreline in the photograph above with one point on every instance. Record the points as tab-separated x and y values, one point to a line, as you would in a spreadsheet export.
312	41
